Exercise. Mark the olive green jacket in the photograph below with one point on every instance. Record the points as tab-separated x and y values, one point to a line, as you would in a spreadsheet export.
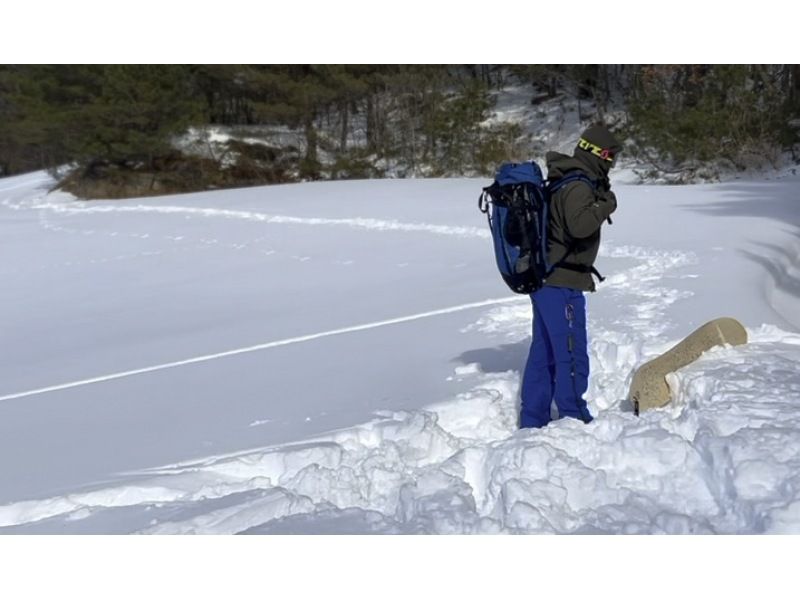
577	213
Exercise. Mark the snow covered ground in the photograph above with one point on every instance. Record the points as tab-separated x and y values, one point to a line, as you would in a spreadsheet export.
344	358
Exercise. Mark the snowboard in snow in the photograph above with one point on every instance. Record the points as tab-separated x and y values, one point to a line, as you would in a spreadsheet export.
649	388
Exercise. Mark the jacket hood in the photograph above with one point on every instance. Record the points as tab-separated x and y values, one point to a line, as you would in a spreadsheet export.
559	165
597	167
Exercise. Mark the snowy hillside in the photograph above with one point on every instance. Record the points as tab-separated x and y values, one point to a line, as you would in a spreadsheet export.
343	357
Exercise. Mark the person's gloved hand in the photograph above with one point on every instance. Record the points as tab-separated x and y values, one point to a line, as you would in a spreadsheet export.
610	198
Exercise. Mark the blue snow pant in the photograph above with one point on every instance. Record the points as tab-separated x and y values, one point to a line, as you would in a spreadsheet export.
558	363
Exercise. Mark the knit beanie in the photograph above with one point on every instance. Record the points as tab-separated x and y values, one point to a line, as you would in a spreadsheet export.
598	141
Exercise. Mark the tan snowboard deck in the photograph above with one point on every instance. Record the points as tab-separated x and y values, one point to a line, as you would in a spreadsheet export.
649	388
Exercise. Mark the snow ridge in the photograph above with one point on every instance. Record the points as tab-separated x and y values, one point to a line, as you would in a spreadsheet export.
260	347
363	223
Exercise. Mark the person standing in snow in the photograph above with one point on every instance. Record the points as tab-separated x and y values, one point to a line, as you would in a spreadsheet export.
557	369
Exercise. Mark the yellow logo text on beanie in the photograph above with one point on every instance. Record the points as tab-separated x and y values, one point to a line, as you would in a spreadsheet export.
603	154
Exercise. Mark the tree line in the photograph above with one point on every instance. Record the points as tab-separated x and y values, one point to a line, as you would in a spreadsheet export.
426	120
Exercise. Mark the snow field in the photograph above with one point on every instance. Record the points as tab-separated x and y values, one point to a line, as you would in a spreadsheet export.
724	458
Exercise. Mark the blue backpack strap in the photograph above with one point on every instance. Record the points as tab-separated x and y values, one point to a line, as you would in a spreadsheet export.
555	185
